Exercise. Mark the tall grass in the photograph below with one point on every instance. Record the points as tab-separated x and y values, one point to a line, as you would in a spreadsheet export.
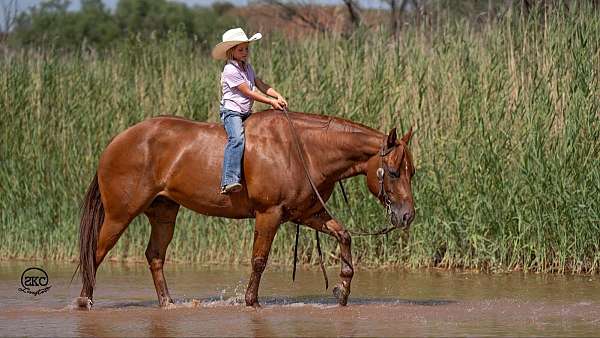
507	118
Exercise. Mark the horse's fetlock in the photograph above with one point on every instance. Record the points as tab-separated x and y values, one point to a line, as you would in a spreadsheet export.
250	299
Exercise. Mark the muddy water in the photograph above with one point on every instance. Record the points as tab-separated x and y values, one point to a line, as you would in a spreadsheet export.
383	303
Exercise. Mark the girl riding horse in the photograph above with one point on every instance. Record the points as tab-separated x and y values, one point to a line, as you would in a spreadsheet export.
238	81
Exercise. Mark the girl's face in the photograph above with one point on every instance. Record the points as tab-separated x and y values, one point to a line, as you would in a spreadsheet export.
240	52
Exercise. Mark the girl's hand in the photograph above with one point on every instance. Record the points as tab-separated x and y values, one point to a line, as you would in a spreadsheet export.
275	103
282	101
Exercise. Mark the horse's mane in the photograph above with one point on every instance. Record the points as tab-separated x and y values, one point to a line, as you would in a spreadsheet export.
317	121
329	123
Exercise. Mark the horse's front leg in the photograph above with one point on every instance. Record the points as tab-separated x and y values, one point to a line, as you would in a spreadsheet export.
264	231
323	222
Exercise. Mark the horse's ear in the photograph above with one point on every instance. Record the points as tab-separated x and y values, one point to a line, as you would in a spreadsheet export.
391	139
407	136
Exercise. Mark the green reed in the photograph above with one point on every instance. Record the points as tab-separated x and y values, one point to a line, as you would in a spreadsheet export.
506	142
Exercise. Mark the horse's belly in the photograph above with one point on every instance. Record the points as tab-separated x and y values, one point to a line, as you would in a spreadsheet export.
213	204
230	210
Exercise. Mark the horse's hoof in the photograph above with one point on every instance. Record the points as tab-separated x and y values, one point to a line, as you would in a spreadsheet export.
167	303
168	306
341	293
254	304
83	303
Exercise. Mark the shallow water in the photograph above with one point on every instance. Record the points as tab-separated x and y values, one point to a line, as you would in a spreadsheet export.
209	302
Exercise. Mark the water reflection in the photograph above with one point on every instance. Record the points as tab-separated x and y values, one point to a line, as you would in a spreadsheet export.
89	325
260	326
159	327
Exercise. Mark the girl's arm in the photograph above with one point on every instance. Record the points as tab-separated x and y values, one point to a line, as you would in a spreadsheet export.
265	88
244	89
278	103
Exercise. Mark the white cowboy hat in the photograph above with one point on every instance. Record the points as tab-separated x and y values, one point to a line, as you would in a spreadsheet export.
232	38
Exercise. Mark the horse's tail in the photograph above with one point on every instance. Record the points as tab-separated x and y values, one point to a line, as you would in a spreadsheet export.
92	216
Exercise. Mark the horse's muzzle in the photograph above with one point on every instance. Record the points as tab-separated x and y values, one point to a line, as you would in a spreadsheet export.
402	217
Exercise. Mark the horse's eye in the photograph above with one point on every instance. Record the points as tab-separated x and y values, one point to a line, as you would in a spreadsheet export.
394	173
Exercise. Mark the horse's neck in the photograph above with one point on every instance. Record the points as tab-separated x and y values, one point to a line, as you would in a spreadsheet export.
345	152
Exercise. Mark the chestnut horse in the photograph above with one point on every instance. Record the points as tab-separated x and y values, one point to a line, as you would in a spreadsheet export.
165	162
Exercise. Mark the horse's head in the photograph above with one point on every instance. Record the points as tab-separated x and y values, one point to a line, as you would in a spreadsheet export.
388	176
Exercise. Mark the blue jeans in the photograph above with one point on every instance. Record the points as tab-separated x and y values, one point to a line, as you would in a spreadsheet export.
234	150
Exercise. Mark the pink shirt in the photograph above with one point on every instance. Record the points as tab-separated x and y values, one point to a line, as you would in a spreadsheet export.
232	77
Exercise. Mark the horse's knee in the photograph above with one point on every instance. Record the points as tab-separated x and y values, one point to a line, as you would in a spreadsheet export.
347	272
259	264
155	264
155	261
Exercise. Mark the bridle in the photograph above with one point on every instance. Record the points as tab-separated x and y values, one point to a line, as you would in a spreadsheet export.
381	173
380	177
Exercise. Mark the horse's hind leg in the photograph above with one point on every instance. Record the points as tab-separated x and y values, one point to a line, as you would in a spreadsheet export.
109	234
323	222
162	214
